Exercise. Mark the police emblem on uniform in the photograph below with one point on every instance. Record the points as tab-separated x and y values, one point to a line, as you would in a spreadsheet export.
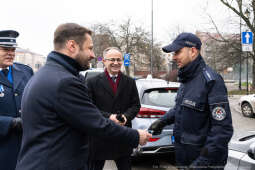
1	90
218	113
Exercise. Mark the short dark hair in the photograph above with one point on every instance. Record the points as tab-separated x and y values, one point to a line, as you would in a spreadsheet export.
70	31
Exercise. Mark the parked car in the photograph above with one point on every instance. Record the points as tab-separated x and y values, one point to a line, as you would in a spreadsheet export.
157	97
241	155
91	72
247	104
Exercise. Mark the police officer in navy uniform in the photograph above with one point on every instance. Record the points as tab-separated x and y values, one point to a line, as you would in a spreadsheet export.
13	78
202	118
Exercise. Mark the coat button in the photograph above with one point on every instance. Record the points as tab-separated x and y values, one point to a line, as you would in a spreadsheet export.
15	94
19	110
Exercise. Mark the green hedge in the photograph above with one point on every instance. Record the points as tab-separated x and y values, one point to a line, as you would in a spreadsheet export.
240	92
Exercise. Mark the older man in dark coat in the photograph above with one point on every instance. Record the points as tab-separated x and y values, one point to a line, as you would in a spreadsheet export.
115	94
57	112
13	78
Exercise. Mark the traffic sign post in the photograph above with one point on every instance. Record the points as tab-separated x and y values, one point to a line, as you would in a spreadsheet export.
126	59
247	45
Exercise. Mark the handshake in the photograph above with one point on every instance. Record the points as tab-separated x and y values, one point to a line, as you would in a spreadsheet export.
144	136
154	129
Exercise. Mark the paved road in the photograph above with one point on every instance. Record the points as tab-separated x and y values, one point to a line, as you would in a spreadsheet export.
242	126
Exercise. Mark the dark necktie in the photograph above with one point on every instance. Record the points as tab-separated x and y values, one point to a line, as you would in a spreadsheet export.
5	71
114	79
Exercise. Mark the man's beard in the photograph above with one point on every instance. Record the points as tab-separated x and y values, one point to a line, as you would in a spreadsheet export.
84	68
83	64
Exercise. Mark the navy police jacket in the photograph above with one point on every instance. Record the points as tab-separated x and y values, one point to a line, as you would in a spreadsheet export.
10	100
58	118
202	114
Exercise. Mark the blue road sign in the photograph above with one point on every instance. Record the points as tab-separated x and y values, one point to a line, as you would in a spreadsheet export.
99	58
126	59
247	38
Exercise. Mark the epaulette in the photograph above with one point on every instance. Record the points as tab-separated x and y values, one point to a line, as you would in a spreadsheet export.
208	75
22	65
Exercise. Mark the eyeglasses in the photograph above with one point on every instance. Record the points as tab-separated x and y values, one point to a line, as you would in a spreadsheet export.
114	59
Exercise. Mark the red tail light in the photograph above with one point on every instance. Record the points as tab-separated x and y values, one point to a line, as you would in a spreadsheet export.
150	113
153	139
171	88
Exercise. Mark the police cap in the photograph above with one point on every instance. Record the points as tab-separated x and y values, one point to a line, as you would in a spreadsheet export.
8	38
183	40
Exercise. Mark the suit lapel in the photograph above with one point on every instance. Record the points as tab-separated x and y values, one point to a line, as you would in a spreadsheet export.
17	76
105	83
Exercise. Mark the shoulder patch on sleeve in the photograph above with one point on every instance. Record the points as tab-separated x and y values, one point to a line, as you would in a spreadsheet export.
219	113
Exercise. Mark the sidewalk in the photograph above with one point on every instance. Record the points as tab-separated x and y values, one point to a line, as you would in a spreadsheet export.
235	98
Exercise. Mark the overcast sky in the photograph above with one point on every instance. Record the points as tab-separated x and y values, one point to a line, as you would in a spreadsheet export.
36	20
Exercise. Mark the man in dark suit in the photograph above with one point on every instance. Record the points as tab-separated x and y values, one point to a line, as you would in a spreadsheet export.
13	78
116	96
58	116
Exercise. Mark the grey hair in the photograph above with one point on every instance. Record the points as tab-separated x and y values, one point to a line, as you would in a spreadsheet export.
109	49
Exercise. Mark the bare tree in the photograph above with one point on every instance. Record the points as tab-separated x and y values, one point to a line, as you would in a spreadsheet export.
240	7
220	52
128	37
101	39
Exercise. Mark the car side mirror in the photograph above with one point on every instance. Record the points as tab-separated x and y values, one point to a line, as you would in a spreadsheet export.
251	151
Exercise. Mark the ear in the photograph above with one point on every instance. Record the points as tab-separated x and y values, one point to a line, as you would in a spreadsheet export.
194	52
72	46
104	61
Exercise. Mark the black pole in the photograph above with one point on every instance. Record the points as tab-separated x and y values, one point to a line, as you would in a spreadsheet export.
240	71
247	79
151	70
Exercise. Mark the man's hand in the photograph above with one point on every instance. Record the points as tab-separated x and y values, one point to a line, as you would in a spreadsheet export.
16	124
144	136
122	123
113	118
156	127
125	120
116	118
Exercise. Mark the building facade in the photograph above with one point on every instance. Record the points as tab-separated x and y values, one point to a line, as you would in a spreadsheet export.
27	57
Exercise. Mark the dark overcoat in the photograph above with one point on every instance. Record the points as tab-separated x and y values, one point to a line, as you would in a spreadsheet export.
59	117
125	101
10	100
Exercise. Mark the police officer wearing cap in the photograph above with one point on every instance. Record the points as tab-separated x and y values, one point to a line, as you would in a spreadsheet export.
202	118
13	78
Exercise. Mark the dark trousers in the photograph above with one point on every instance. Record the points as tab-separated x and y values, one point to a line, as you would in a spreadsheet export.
186	154
123	163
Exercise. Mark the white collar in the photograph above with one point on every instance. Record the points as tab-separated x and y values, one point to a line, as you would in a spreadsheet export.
4	68
113	75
